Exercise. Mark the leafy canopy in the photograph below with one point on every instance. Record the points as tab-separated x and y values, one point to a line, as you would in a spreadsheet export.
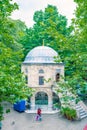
12	81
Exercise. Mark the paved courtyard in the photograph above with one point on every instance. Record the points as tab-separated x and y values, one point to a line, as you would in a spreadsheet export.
26	121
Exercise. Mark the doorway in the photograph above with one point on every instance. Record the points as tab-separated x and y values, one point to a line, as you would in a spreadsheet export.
41	98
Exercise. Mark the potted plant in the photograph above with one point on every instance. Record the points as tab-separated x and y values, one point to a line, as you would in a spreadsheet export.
69	113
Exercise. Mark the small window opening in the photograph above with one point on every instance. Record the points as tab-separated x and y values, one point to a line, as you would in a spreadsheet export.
57	77
41	80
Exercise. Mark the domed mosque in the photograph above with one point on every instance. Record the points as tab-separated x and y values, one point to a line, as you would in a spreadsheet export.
42	72
41	54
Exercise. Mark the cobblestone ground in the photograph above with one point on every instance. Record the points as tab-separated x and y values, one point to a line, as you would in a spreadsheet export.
26	121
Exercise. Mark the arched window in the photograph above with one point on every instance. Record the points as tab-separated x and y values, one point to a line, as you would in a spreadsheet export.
41	98
41	71
57	77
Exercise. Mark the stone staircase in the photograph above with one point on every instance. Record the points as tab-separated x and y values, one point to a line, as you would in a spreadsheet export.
81	109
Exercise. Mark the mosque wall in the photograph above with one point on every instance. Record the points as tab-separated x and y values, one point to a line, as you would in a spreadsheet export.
49	73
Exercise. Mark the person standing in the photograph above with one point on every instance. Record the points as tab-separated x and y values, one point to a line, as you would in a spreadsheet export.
38	114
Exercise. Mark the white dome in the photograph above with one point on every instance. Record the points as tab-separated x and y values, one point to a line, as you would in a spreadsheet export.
41	54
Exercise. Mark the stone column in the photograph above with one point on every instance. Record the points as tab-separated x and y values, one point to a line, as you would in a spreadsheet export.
50	102
33	102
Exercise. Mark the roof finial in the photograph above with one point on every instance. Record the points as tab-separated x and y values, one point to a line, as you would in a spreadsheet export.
43	42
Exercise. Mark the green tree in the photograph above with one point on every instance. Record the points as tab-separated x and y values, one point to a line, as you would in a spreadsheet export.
74	52
80	41
12	81
50	26
17	29
80	33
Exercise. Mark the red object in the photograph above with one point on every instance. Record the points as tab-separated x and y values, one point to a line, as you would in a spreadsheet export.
85	128
39	111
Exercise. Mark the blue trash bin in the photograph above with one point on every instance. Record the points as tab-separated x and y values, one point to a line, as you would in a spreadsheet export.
19	106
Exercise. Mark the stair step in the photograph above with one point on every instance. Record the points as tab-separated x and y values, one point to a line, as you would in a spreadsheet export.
79	109
81	117
82	111
78	105
81	114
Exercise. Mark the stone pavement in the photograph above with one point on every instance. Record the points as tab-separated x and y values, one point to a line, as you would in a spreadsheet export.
26	121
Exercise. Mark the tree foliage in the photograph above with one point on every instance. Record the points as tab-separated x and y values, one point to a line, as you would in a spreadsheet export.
79	40
50	26
12	81
75	50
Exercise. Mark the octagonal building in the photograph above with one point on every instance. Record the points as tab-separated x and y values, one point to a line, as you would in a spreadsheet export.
42	72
